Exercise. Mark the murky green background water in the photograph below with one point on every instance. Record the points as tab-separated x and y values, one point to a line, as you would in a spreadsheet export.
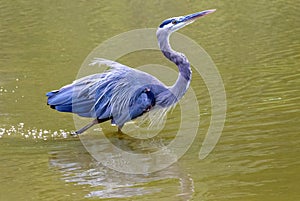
255	45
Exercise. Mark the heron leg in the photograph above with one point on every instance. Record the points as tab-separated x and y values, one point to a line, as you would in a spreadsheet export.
94	122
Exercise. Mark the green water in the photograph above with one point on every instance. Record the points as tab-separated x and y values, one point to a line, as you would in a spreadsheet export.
254	44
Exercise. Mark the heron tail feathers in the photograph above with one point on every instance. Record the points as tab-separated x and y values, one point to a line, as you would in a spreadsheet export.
60	100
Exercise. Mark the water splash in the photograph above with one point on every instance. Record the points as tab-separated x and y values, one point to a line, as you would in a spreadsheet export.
33	133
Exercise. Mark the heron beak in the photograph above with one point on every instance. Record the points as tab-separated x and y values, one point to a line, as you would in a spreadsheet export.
192	17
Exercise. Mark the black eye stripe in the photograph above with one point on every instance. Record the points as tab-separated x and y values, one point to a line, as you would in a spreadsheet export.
165	23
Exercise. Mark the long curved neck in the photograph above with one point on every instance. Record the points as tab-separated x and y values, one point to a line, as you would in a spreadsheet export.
185	73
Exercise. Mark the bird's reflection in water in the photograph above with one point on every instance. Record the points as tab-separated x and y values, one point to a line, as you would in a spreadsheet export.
78	167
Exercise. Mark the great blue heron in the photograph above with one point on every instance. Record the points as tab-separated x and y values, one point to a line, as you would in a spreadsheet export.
121	93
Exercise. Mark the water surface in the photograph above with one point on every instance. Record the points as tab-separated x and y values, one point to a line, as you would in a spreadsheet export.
255	45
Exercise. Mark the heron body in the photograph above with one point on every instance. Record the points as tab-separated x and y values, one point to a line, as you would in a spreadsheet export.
121	93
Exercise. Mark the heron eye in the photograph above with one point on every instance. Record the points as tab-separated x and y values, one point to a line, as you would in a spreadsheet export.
174	22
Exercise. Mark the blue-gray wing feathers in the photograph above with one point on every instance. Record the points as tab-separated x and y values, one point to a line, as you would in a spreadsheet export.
120	93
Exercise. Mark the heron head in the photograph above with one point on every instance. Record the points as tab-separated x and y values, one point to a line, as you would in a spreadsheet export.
175	23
